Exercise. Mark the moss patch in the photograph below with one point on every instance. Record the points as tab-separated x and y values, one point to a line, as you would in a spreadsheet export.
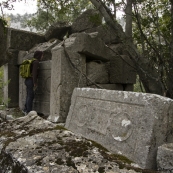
77	148
59	161
69	162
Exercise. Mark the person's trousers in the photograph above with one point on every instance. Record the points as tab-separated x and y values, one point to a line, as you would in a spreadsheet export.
29	95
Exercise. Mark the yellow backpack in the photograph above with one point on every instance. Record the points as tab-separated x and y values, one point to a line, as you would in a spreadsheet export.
25	68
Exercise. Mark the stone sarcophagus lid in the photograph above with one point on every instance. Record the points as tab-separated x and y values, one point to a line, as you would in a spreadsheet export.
129	123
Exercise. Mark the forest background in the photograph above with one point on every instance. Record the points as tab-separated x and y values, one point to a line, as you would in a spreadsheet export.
147	35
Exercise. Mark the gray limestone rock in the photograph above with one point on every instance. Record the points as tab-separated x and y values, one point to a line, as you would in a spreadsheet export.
32	144
11	79
93	47
23	40
133	124
165	158
107	34
57	31
65	77
45	47
89	19
121	70
97	72
16	40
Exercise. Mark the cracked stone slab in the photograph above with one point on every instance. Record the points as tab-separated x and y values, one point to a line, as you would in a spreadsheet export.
133	124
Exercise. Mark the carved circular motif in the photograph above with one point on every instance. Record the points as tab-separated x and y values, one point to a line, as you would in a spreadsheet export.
120	126
81	117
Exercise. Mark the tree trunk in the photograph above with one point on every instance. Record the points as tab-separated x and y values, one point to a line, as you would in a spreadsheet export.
170	74
128	11
147	74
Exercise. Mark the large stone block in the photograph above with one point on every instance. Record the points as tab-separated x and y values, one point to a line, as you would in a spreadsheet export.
23	40
45	47
64	78
165	158
121	70
11	80
42	95
107	34
89	19
97	73
57	30
133	124
93	47
22	87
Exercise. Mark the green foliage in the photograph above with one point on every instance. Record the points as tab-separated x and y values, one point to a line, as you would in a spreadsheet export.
138	87
52	11
4	22
152	34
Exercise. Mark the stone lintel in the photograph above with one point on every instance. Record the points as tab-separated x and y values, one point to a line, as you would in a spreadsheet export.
23	40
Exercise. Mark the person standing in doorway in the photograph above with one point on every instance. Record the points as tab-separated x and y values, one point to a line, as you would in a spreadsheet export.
31	82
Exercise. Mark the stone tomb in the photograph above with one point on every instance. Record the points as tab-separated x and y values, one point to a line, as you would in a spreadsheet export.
133	124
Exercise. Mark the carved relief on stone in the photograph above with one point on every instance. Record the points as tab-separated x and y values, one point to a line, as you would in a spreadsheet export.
121	126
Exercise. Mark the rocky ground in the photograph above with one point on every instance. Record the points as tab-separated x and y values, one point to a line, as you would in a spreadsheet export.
33	144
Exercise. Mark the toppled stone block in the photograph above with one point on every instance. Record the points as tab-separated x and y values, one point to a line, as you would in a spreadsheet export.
45	47
57	31
97	72
121	70
66	74
165	158
89	19
107	34
133	124
23	40
93	47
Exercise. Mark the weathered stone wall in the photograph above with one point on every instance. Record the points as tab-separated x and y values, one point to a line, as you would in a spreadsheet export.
11	81
64	78
42	94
